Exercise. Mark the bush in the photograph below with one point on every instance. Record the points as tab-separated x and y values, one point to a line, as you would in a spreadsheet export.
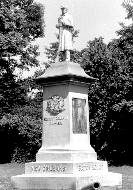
22	136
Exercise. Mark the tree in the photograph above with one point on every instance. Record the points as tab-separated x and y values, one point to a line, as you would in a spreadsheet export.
106	96
110	97
122	52
96	63
20	130
20	24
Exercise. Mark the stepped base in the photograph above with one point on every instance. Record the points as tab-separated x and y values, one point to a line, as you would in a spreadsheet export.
66	181
67	175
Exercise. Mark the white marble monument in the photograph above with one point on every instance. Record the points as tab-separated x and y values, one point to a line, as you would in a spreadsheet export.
66	159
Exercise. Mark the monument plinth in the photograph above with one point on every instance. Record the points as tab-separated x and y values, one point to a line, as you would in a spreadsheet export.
66	159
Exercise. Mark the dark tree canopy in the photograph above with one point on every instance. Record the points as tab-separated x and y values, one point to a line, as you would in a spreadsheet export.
21	22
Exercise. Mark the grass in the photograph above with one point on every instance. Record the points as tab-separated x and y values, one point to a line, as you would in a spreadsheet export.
8	170
127	176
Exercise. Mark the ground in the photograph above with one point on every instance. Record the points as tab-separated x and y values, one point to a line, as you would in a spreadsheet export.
127	176
8	170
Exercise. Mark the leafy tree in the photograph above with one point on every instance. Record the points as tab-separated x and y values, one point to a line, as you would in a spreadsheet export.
96	61
109	98
20	24
20	117
23	139
20	131
122	53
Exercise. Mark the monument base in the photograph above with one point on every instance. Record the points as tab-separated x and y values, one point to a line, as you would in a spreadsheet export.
67	175
107	181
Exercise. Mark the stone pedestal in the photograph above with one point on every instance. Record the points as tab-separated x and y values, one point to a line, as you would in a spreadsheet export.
66	159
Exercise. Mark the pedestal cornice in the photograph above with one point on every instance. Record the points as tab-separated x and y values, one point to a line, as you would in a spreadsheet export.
65	72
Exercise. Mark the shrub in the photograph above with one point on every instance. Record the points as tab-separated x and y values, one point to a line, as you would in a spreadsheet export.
23	136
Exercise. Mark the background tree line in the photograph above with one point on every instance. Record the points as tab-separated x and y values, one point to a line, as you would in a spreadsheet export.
110	97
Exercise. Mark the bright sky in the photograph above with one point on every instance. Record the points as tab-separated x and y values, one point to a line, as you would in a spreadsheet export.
94	18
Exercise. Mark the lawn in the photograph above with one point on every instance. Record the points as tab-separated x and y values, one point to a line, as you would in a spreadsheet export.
127	176
8	170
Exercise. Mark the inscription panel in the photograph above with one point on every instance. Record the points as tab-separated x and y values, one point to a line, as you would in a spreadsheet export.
54	120
84	167
48	168
66	168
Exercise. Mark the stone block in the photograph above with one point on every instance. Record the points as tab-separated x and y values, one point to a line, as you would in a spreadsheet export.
66	181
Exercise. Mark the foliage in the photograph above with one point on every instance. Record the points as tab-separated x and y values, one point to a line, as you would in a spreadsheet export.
22	131
122	51
110	97
11	93
96	60
20	24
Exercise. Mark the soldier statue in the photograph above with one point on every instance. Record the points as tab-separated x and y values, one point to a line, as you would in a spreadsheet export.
65	26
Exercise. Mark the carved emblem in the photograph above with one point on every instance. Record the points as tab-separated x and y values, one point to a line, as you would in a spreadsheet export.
55	105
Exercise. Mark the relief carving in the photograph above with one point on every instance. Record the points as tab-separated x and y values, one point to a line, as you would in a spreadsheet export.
55	105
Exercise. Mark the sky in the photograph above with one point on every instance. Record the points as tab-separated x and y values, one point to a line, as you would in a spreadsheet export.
93	18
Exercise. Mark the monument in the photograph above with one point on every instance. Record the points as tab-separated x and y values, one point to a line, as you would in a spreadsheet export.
66	159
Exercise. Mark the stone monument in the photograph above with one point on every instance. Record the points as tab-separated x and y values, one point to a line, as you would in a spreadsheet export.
66	159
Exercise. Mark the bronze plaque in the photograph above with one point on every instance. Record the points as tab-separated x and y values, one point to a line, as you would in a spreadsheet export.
79	118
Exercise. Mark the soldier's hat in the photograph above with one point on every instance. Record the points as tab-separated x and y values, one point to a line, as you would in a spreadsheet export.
64	7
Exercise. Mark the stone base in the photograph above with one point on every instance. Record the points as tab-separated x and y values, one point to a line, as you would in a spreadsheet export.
76	168
66	175
66	181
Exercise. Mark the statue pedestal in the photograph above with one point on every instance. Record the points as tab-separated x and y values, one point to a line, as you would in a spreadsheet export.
66	159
